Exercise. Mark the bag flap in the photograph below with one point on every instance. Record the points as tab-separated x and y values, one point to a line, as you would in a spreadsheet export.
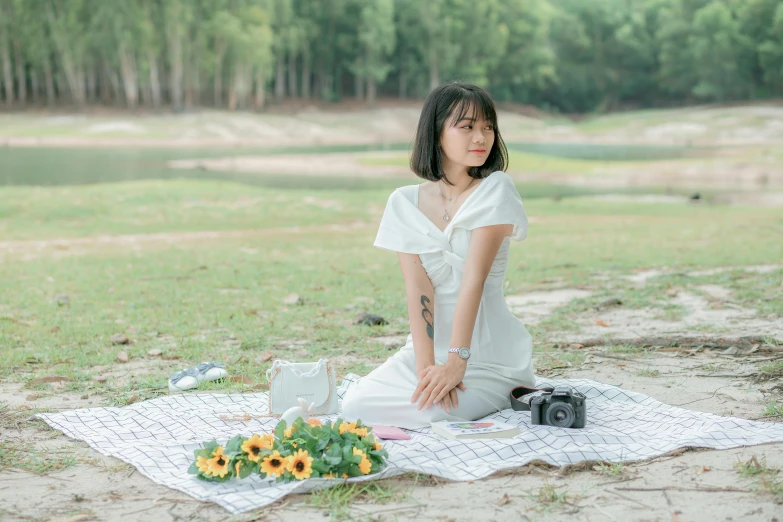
313	389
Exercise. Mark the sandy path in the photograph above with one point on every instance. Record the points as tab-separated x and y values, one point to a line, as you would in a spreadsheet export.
29	249
676	487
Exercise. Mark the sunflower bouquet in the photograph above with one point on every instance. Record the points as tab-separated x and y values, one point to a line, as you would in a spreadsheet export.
306	449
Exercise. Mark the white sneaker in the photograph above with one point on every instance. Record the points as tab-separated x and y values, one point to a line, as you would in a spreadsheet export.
192	377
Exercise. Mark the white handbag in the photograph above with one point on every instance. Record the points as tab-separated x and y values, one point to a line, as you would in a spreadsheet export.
312	382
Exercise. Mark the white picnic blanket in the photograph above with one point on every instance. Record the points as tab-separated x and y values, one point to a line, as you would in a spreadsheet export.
158	437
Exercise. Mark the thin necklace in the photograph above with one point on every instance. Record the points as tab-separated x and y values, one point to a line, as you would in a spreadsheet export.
446	215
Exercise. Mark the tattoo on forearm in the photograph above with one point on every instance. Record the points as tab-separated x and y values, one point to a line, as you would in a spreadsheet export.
427	315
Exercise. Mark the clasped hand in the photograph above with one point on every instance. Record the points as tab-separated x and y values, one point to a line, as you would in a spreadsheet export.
438	384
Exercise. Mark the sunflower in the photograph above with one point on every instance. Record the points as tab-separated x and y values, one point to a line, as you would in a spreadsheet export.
288	432
274	464
362	432
377	446
347	426
365	464
218	464
203	465
300	465
255	444
314	423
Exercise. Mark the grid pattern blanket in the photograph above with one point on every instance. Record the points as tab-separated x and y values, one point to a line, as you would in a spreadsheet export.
158	437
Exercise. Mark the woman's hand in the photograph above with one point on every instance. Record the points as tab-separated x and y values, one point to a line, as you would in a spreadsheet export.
439	382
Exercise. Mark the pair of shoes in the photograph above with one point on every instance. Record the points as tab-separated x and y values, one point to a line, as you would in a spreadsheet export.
192	377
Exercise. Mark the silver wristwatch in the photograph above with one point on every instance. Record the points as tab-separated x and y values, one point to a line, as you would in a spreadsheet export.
462	352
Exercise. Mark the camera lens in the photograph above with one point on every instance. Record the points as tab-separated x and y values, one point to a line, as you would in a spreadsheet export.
560	415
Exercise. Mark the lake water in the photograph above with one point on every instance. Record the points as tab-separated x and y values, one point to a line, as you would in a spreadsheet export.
75	166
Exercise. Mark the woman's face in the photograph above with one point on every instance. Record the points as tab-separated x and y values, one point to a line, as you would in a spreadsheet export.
467	142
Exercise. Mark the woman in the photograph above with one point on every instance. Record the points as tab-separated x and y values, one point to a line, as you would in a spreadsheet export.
466	350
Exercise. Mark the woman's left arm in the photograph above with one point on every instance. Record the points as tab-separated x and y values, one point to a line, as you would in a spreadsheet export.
438	380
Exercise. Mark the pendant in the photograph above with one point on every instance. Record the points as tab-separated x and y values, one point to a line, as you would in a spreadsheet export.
446	216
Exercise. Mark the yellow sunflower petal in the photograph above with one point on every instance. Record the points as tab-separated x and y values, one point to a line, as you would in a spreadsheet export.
274	464
253	447
300	464
365	464
203	465
347	426
218	465
314	422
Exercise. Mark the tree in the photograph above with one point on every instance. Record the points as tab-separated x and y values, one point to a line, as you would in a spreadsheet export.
377	37
721	54
771	52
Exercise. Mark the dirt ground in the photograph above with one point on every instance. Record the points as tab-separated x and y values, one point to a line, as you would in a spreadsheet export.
687	485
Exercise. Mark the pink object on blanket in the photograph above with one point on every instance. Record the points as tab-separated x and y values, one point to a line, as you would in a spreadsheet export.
389	433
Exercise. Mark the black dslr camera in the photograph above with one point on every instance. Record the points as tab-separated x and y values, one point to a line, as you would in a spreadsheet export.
563	408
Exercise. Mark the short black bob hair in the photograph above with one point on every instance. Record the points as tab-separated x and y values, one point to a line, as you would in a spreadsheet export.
457	98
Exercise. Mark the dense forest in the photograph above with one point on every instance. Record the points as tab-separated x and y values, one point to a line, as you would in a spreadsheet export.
560	55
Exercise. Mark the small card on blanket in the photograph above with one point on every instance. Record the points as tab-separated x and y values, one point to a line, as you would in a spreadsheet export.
475	430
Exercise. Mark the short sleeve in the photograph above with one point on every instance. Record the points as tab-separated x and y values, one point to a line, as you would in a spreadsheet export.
403	228
499	204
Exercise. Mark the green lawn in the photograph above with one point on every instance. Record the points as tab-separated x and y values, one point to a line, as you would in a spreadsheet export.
221	297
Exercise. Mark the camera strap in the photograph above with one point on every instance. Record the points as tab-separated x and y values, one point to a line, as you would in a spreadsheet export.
521	395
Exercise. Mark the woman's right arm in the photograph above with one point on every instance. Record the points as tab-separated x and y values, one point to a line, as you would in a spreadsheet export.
421	309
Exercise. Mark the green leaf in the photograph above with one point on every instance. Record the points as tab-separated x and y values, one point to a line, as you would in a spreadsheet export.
280	429
246	469
321	466
235	444
210	446
193	469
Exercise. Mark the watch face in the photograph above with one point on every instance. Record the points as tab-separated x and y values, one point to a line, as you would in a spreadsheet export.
464	353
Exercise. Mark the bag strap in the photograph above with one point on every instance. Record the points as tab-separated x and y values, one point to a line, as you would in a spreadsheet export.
519	392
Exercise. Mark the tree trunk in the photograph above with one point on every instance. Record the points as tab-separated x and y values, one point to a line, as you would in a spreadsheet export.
280	79
21	79
306	80
130	80
232	91
34	87
92	84
175	58
74	73
358	87
371	91
220	51
403	82
154	78
434	72
258	103
293	91
112	80
105	84
190	75
318	82
48	81
8	78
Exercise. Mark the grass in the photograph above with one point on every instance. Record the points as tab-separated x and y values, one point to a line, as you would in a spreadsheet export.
647	372
547	498
338	500
611	469
765	477
221	297
773	409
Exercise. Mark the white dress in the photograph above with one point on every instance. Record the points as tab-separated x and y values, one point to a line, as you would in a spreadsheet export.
501	347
